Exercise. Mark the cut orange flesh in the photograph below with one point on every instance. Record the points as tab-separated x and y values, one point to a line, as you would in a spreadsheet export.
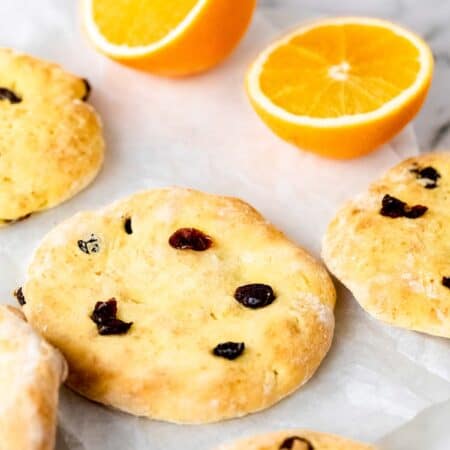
169	37
160	18
341	87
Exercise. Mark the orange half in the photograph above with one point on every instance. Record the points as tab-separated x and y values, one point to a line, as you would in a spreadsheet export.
168	37
341	87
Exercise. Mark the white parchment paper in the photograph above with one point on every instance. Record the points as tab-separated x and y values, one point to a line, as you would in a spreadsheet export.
378	384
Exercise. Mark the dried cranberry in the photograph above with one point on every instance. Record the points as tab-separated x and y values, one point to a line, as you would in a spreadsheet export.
87	90
114	326
190	239
92	245
393	207
104	311
430	174
7	94
255	295
414	212
446	282
19	296
289	443
229	350
104	316
128	226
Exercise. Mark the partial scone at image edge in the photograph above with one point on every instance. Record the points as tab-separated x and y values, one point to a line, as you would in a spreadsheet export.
31	372
389	246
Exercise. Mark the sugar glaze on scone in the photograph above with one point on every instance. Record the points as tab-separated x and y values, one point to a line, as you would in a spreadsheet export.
31	372
152	301
391	245
296	440
51	142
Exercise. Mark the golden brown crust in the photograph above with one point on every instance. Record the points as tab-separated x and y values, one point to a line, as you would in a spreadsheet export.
395	267
31	372
273	441
182	306
51	141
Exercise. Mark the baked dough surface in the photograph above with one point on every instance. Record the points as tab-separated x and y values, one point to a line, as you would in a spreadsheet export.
396	267
296	440
31	372
51	142
181	304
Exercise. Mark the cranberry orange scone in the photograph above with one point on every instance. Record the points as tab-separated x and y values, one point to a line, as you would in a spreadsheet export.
296	440
31	372
390	246
181	306
51	142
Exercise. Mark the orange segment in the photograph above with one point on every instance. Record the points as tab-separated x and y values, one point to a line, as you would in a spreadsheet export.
168	37
341	87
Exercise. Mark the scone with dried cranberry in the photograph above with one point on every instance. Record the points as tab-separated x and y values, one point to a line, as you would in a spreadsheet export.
51	144
391	245
181	306
296	440
31	372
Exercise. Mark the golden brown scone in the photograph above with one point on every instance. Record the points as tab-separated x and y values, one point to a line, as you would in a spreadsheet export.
395	257
31	372
296	440
51	142
182	304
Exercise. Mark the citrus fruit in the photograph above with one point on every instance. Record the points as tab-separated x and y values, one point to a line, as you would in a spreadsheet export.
341	87
167	37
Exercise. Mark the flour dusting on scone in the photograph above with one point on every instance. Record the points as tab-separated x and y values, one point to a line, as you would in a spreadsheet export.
31	372
296	440
391	245
167	307
51	142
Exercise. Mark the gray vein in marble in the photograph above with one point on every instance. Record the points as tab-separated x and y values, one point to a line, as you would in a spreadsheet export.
440	134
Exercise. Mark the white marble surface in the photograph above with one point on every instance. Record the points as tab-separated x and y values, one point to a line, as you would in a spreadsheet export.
429	18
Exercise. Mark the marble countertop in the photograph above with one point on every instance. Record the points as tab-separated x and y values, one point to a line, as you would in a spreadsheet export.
429	18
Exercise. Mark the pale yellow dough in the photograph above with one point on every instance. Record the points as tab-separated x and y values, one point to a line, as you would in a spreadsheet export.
51	144
395	267
318	441
181	304
31	372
